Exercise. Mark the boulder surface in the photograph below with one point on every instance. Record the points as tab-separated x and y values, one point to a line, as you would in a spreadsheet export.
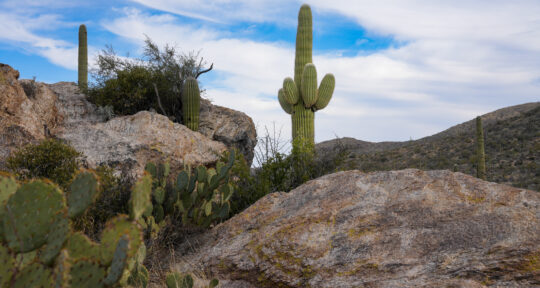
407	228
31	111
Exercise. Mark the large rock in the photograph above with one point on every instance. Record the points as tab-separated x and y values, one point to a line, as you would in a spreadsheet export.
233	128
23	118
405	228
31	111
128	142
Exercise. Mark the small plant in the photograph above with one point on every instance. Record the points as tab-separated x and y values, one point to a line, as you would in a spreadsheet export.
178	280
50	159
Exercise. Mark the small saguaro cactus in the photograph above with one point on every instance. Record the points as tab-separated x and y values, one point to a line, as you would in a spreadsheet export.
83	58
480	154
191	103
300	96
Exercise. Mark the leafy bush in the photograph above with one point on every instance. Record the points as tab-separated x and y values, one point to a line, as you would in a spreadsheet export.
278	172
154	82
50	159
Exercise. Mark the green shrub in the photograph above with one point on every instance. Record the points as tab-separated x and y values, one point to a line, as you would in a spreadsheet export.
279	172
50	159
154	82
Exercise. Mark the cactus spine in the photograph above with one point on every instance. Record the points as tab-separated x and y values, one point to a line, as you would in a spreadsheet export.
301	97
83	58
480	154
191	102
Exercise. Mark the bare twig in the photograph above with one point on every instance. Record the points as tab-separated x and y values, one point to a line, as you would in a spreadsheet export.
159	100
204	71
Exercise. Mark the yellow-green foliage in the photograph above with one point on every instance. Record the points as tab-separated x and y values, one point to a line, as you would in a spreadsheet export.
50	159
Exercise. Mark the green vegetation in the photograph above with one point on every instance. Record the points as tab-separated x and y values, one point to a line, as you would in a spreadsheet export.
198	197
278	172
83	58
154	82
191	102
512	148
480	155
50	159
300	97
36	228
178	280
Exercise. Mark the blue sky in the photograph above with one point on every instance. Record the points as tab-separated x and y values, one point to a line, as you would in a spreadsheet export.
404	68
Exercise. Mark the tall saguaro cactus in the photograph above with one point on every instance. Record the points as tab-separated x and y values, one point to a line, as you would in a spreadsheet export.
300	96
480	154
191	102
83	58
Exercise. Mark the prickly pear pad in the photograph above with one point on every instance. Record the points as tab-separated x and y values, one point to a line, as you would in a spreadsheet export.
87	274
33	275
83	192
30	213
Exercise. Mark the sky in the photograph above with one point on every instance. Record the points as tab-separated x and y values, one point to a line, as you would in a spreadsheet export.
404	69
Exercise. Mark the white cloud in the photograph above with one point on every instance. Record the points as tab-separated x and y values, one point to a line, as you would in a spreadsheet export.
225	11
20	31
454	68
455	59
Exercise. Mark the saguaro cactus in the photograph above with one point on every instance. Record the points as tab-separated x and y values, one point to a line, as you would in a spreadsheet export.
300	97
83	58
480	155
191	102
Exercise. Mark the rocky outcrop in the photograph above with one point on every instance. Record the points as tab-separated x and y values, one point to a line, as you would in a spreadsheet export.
232	128
31	111
23	118
128	142
405	228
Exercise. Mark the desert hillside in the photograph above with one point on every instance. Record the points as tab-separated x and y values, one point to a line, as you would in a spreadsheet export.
512	145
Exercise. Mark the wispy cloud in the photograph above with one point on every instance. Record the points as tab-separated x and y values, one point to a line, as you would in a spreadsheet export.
451	60
453	66
225	11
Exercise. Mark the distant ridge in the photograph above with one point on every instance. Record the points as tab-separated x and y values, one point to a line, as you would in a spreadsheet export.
512	149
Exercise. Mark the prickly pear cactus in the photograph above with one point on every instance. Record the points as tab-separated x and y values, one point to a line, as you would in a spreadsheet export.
83	192
29	215
191	101
33	275
301	97
140	197
39	249
62	270
7	265
204	194
56	238
119	261
83	58
87	274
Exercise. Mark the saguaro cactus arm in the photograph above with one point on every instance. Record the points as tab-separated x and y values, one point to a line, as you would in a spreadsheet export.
326	89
